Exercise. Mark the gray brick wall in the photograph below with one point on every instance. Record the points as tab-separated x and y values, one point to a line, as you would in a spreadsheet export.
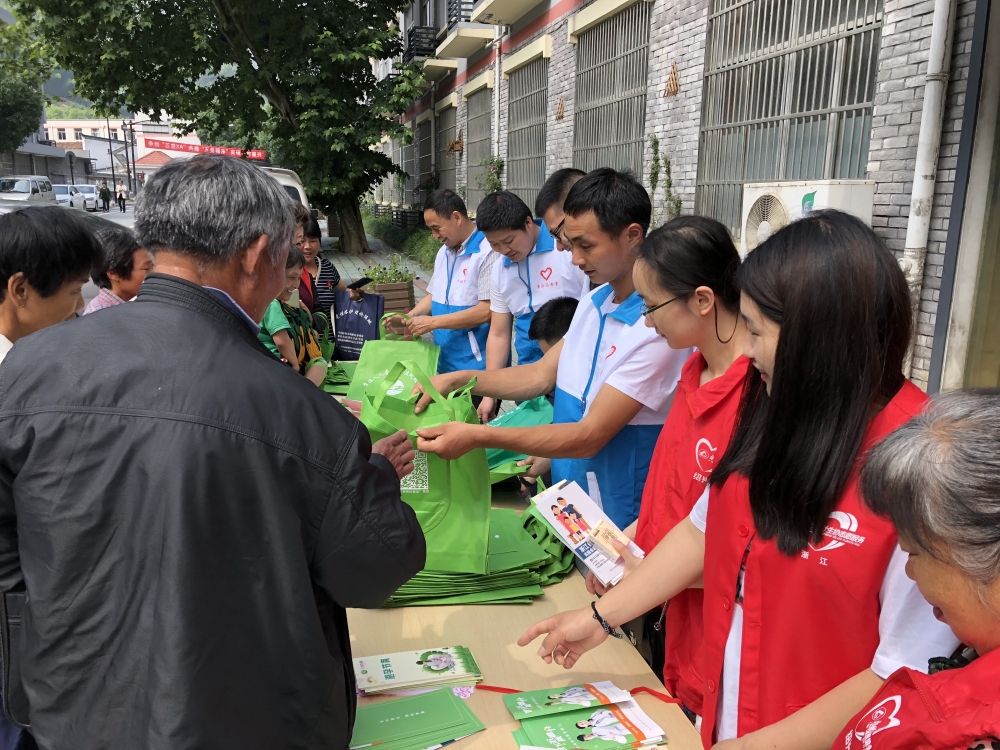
898	102
677	34
562	84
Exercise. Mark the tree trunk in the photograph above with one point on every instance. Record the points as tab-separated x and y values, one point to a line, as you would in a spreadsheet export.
352	232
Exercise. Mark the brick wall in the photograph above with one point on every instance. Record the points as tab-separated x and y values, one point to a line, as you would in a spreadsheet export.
898	102
562	85
677	35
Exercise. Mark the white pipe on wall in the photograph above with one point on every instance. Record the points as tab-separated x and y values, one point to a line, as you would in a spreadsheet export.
497	70
928	146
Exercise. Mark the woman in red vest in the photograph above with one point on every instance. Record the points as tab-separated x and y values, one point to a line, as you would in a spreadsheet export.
807	608
690	261
938	479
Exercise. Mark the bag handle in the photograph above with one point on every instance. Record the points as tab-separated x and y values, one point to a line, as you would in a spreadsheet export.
388	336
418	374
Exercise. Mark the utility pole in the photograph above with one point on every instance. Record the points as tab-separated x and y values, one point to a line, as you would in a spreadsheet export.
134	170
111	153
128	171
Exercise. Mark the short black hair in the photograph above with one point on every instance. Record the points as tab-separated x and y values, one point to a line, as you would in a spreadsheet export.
618	199
118	245
444	203
295	258
551	321
48	244
311	230
502	210
556	188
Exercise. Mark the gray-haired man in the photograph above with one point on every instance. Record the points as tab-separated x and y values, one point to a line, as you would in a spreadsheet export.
189	516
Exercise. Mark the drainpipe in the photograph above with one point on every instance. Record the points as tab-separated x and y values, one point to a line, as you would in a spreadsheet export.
928	145
497	70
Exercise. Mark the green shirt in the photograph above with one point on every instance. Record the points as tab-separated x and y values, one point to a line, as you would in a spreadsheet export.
273	322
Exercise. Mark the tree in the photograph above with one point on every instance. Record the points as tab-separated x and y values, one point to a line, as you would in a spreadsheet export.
24	66
297	73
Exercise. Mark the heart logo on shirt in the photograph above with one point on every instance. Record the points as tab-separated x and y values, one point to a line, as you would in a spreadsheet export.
465	271
613	350
546	273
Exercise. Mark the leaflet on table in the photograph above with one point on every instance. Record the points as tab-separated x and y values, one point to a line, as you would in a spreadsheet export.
450	665
570	512
433	719
560	700
604	728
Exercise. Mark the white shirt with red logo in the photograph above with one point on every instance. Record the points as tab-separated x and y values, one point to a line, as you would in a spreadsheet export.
523	287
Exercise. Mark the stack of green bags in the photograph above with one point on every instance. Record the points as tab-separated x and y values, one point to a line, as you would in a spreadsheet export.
423	721
338	377
503	463
524	555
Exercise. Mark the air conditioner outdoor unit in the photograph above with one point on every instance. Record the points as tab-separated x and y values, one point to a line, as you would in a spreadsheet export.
768	206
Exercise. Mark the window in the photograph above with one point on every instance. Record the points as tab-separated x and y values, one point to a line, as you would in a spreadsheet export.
528	91
45	133
787	96
480	117
411	170
609	128
447	133
78	134
60	134
95	131
114	134
425	165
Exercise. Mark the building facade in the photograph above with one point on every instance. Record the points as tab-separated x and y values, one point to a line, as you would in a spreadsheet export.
821	96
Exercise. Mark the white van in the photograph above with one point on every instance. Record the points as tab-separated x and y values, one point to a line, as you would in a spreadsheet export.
290	182
27	187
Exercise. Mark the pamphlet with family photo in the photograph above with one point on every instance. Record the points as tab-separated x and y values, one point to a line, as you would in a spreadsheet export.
560	700
601	728
570	512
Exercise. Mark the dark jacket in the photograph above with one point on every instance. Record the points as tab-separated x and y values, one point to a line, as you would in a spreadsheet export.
190	518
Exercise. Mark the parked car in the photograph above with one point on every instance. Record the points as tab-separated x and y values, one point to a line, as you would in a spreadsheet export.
291	183
89	195
68	195
30	187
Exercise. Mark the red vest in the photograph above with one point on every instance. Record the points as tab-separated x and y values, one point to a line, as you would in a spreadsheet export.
952	709
694	436
810	621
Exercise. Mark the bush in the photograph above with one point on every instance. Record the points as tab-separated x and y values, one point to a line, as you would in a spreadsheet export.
422	247
418	243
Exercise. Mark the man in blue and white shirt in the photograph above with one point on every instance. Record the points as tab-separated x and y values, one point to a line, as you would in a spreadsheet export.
614	377
529	275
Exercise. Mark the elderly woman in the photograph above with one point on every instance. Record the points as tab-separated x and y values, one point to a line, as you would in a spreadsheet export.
938	478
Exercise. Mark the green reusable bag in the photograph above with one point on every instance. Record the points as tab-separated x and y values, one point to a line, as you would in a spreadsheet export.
338	377
451	498
527	414
378	356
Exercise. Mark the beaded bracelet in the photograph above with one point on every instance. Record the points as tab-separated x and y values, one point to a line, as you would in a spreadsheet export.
604	623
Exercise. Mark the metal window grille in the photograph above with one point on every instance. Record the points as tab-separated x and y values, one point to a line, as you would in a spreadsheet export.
446	133
611	63
397	179
787	96
478	144
425	164
408	178
529	93
384	193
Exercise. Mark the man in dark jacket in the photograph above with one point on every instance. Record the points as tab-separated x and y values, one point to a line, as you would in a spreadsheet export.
189	516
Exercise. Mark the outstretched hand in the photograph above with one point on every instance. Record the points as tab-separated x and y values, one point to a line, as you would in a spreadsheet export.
569	636
449	440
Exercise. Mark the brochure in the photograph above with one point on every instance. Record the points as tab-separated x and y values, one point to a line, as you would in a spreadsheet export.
417	723
602	728
561	700
570	512
432	667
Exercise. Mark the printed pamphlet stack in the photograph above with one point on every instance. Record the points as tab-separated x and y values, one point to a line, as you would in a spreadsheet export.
412	670
421	722
600	716
524	555
584	528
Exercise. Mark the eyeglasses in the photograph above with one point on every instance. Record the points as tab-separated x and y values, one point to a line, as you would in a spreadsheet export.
647	310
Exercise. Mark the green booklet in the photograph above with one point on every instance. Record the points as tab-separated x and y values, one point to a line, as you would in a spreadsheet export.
408	670
602	728
561	700
415	723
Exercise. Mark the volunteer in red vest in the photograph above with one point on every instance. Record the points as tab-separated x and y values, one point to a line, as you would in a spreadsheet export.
937	479
457	306
529	275
614	378
807	605
686	277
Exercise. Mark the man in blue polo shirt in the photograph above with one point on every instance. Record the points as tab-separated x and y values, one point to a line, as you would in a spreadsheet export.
614	377
529	275
457	306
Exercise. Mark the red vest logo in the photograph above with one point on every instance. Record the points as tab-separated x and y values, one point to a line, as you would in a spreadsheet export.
704	455
880	718
545	273
842	533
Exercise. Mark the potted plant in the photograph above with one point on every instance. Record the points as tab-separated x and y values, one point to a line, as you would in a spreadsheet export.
394	282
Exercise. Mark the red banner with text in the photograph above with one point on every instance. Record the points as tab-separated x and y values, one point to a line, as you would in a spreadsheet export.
194	148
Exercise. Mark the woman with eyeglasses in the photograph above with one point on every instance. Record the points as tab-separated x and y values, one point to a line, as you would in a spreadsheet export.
807	607
686	277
